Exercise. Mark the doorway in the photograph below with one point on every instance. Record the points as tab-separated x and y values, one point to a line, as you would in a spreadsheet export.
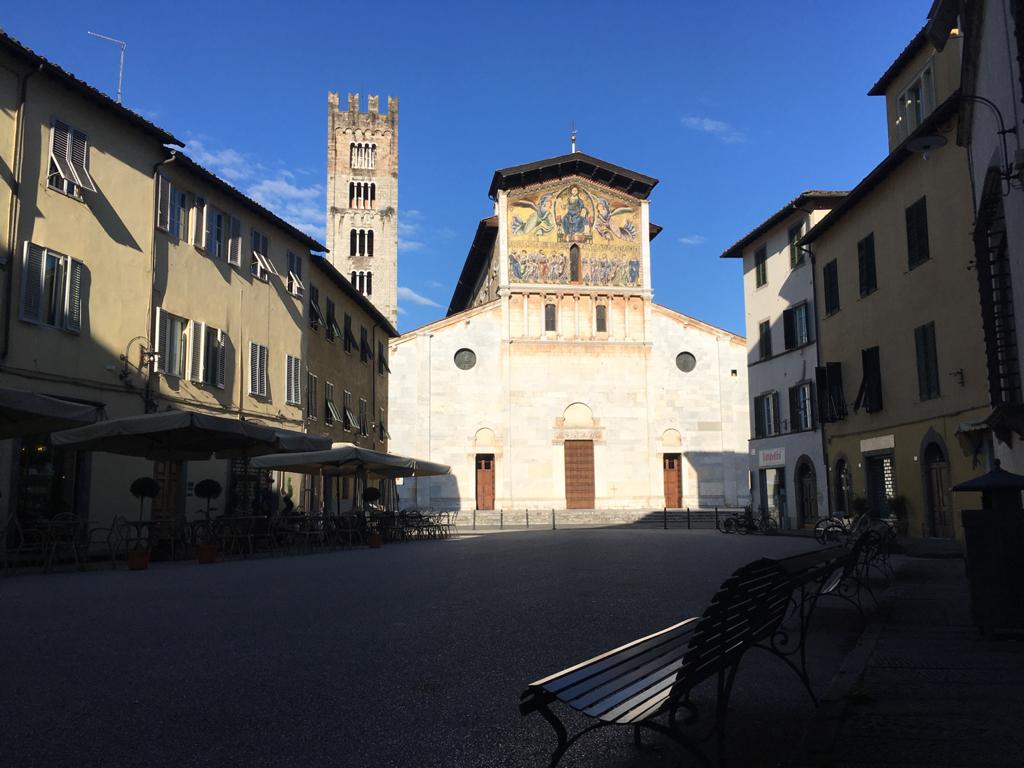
844	488
579	474
485	481
880	474
806	494
938	515
672	464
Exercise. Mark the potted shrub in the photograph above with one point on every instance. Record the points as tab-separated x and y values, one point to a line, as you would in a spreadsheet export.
142	488
859	505
206	550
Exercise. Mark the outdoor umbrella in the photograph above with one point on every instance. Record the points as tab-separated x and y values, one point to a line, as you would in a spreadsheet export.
27	413
172	435
342	460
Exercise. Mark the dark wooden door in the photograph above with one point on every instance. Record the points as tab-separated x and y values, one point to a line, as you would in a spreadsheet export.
672	464
169	501
579	474
485	481
807	487
936	478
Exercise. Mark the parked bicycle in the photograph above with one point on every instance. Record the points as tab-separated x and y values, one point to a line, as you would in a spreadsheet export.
747	523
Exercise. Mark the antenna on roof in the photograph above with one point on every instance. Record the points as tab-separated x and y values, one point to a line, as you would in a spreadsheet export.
573	137
120	66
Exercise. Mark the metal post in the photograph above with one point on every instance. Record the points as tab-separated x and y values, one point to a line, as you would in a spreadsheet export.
474	518
501	518
688	526
664	518
527	518
717	526
552	519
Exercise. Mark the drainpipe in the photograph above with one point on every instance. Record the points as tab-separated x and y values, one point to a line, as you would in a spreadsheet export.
12	215
817	351
147	398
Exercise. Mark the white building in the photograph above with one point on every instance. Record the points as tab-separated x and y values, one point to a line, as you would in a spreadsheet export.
555	382
786	456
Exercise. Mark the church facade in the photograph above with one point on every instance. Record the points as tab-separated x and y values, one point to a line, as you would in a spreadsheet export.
555	382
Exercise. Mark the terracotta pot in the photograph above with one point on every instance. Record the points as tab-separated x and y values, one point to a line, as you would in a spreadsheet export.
206	553
374	540
138	559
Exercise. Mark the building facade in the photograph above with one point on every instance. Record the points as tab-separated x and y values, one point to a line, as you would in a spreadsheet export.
585	395
902	345
362	198
788	477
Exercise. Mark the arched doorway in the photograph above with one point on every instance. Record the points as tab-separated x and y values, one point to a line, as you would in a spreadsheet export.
806	493
844	488
938	515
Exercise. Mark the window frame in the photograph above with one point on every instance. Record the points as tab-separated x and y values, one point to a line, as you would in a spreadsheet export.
830	287
761	266
68	289
918	250
764	340
293	380
867	273
796	254
929	386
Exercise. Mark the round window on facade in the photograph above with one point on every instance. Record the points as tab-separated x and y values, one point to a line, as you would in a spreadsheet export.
465	359
686	362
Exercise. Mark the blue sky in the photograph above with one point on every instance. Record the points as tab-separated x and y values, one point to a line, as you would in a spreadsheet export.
736	107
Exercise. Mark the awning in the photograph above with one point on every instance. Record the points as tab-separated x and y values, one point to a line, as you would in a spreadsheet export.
27	413
183	435
348	460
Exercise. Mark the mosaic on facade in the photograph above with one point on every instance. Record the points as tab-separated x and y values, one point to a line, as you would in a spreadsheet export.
547	221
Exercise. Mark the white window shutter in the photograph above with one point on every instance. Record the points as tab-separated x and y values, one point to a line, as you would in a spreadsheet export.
235	242
60	148
79	156
163	203
32	283
254	368
222	341
263	371
161	339
199	223
196	350
73	298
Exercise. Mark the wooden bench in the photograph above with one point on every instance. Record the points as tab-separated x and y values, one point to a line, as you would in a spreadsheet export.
638	682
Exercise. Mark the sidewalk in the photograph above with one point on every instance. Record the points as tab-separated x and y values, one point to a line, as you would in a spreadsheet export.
922	687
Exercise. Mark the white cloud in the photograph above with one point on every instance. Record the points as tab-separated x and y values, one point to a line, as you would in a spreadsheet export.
301	206
408	294
229	163
410	246
693	240
725	132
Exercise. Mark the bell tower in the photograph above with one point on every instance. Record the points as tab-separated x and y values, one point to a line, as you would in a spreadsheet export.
362	197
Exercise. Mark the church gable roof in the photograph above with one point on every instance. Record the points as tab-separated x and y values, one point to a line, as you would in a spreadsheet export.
575	164
476	259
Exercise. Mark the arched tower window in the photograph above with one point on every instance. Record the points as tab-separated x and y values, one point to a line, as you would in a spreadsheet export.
369	243
549	317
352	238
373	195
574	264
353	280
601	319
351	195
369	283
362	242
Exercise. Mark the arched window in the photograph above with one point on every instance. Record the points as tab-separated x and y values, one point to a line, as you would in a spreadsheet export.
574	264
362	242
351	195
601	319
549	317
352	243
372	159
369	283
353	280
373	195
369	243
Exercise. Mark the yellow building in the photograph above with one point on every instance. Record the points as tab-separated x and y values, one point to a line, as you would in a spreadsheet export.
137	281
900	337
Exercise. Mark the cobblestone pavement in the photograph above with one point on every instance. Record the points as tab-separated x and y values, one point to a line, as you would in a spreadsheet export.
923	688
411	655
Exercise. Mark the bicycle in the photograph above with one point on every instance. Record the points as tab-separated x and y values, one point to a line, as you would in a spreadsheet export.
747	523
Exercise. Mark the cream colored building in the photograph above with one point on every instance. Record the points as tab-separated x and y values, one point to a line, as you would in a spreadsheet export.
555	381
899	327
136	281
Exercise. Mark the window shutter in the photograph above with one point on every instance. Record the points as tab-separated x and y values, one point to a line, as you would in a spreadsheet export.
862	266
196	350
789	328
933	359
161	339
922	362
163	203
199	223
262	370
32	283
60	148
79	156
775	413
794	409
73	300
222	354
234	241
254	368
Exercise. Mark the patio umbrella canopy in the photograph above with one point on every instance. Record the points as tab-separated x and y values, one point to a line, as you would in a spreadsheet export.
348	460
170	435
27	413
